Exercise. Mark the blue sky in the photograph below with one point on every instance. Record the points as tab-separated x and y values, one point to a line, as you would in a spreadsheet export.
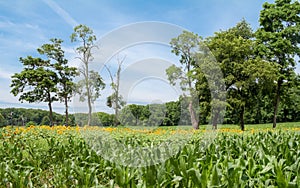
26	25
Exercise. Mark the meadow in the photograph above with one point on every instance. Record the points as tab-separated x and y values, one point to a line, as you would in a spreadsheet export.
59	156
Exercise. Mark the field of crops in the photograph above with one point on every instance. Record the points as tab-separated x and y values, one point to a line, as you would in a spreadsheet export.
63	157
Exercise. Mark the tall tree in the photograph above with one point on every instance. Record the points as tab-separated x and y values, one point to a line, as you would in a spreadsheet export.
278	38
89	88
36	83
115	100
243	72
185	46
66	74
210	86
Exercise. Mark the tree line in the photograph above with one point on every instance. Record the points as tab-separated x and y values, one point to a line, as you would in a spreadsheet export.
23	117
235	76
258	68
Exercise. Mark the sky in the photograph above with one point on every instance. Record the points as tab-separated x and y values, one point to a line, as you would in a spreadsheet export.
134	30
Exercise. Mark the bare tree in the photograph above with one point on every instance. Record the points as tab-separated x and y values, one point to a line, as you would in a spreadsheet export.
115	100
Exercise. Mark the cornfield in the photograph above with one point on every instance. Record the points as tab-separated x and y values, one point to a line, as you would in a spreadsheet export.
62	157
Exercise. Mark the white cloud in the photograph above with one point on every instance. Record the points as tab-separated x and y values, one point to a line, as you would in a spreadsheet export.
62	13
135	34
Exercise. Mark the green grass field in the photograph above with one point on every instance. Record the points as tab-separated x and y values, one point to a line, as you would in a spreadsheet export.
62	157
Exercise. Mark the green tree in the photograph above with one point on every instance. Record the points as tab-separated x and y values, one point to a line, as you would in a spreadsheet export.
106	119
20	116
89	88
66	74
278	38
210	86
173	113
156	114
185	46
137	112
289	108
243	72
134	114
45	121
36	83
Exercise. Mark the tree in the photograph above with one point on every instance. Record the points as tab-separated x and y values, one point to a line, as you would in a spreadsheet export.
89	88
1	119
20	116
210	86
137	112
66	74
36	83
278	41
157	114
106	119
289	108
173	113
134	114
45	121
115	100
243	72
185	46
95	85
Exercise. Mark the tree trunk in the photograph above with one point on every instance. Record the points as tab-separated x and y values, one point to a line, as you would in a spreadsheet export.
50	114
66	112
242	118
116	105
90	111
277	100
215	120
87	85
116	117
193	116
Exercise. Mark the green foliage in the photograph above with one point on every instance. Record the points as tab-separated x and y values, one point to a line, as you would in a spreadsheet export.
96	84
168	114
47	159
134	114
36	82
98	119
278	41
173	114
65	73
106	119
83	33
45	121
1	119
245	75
20	116
45	80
